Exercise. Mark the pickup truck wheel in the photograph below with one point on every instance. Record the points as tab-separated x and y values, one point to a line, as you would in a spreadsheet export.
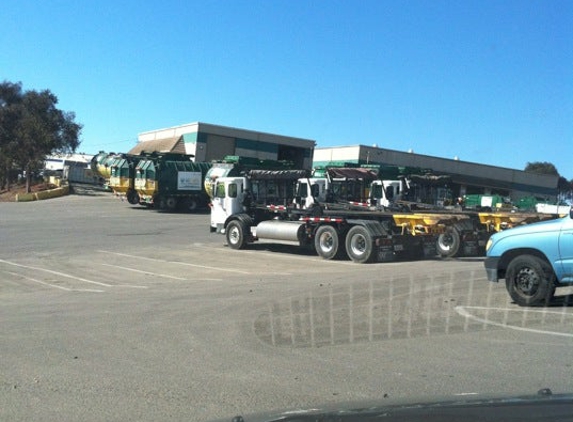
327	242
448	243
530	281
235	234
359	245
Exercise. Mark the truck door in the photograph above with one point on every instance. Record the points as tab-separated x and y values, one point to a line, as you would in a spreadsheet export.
566	249
227	199
308	191
376	196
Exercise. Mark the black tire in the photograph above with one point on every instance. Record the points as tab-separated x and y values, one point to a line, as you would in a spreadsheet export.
191	205
448	243
171	203
160	202
235	234
327	242
132	197
530	281
359	245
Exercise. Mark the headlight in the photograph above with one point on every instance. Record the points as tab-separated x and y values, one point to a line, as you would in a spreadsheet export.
488	245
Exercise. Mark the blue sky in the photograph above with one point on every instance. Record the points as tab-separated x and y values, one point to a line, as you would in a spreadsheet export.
486	81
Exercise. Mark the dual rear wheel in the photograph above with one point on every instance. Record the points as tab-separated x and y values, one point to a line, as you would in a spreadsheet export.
357	243
329	243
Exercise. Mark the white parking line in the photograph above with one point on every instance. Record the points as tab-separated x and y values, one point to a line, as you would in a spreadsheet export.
56	273
73	277
54	285
162	275
175	262
144	272
462	310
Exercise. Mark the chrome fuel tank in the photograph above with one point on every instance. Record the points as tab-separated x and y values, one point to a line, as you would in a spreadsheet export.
292	231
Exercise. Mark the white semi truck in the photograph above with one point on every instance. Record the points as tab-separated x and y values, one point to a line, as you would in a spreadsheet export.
285	206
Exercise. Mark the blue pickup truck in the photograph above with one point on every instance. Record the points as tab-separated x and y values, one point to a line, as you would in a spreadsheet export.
534	259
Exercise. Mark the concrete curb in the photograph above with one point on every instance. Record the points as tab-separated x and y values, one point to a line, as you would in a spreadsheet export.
46	194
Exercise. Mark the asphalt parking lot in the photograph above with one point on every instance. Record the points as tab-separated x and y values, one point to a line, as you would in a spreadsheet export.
114	312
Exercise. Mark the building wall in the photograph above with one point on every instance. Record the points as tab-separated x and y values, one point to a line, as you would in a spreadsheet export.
490	178
56	162
211	142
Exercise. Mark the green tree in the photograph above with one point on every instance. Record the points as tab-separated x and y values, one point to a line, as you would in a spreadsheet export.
541	167
33	127
10	96
564	187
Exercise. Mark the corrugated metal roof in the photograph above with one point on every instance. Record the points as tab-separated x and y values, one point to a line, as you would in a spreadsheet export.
430	179
173	144
353	173
277	174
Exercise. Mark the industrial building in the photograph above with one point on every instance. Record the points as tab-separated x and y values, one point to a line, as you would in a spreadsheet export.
70	167
465	177
209	142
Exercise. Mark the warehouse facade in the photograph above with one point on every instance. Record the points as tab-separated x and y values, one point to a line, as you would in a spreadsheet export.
207	142
466	177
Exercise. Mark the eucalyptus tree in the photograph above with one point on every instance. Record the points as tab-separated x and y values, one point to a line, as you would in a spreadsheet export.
32	127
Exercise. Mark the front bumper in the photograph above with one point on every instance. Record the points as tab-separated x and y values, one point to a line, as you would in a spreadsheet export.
491	266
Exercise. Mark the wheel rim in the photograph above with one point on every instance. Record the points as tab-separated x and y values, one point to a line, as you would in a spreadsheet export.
526	282
445	241
234	235
326	242
358	244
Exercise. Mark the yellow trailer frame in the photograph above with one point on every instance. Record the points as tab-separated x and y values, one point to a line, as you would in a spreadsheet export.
425	223
495	222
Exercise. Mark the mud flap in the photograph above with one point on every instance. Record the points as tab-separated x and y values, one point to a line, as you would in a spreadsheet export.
470	245
384	249
429	249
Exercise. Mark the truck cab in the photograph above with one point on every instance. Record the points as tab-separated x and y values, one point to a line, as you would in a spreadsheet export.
383	193
251	196
229	198
310	192
533	259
